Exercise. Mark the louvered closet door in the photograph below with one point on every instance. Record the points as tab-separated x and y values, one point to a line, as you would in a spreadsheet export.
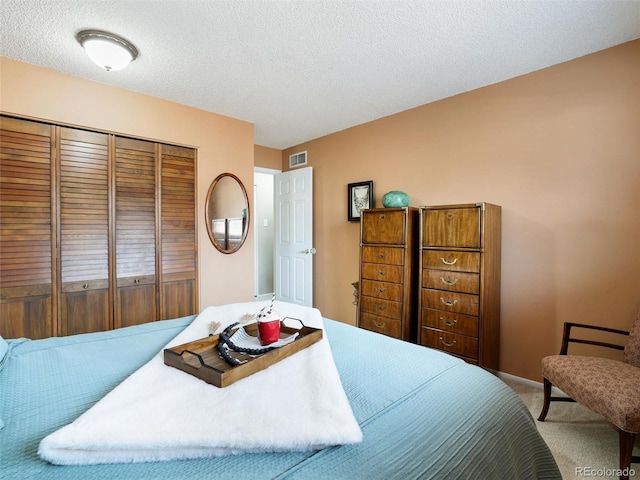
26	263
135	177
84	232
178	295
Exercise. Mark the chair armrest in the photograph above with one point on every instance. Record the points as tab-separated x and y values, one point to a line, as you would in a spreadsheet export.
566	336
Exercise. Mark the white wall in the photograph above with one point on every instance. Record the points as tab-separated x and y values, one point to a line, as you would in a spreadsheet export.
264	234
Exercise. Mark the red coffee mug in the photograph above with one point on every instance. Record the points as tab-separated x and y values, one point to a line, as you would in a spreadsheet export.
269	332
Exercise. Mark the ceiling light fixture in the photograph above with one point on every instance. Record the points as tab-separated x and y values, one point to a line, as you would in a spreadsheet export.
106	49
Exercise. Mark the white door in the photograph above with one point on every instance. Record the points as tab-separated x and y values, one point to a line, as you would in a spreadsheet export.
294	236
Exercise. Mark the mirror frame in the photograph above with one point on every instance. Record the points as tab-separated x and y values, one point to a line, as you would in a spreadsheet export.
207	213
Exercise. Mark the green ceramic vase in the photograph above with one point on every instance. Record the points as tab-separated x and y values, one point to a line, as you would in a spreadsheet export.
395	198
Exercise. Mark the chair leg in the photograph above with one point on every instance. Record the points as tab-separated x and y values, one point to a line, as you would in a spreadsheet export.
626	449
547	400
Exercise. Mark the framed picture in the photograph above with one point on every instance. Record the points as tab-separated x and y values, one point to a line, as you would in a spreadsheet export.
360	196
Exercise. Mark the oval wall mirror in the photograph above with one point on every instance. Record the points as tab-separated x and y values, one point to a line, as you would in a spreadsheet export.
227	213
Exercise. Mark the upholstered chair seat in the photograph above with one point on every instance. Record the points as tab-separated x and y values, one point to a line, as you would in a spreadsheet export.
608	387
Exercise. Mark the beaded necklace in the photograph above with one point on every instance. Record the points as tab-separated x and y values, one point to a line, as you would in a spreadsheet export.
226	340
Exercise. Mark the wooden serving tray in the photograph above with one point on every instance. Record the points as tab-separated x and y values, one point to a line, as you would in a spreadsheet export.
201	358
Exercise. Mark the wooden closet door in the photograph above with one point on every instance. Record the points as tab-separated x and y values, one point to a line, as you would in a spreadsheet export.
178	247
84	232
27	292
135	224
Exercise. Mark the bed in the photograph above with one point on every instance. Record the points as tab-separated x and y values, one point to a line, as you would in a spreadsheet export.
422	413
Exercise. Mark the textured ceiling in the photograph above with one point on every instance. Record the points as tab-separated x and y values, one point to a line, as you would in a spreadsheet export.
302	69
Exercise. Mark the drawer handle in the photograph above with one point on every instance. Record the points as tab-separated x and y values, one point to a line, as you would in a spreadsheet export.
381	255
136	281
382	217
448	304
381	273
449	262
442	341
85	286
449	324
379	325
449	282
381	290
380	308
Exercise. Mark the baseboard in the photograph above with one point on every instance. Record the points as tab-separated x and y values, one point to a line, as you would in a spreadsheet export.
556	392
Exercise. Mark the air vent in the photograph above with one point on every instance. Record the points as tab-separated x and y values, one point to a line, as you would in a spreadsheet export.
298	159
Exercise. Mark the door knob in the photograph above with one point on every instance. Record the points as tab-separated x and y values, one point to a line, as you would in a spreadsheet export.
311	251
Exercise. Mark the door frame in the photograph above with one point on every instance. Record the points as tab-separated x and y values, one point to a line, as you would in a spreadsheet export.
256	236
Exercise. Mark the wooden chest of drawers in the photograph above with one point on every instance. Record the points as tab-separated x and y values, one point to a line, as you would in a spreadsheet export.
388	271
459	300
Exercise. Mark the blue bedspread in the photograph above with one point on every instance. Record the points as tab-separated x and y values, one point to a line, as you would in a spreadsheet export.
424	414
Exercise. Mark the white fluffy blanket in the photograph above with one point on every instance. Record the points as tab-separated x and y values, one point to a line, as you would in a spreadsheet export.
161	413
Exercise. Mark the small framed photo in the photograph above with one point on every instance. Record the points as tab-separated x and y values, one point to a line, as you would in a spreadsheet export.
360	197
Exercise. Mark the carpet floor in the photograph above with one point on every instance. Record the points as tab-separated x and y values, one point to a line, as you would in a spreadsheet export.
581	441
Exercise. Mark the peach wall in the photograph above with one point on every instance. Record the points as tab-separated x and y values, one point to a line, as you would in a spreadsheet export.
224	145
558	149
267	157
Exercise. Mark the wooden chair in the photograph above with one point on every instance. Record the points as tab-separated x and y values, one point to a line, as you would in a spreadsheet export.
608	387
